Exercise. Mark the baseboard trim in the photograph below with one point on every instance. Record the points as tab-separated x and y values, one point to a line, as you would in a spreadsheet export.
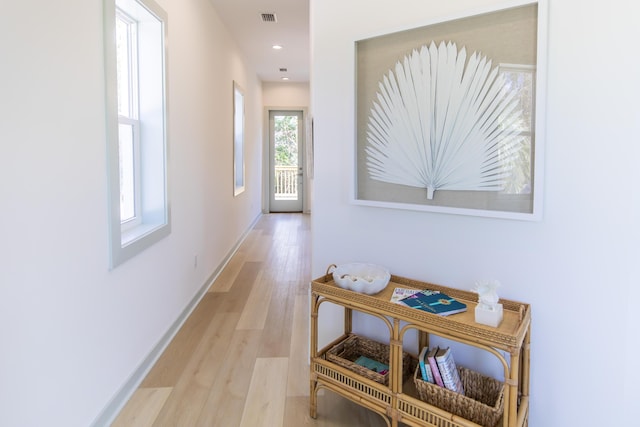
113	408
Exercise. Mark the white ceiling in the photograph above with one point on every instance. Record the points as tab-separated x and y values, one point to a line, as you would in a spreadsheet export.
255	37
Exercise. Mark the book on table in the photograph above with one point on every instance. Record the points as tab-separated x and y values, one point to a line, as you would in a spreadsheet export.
448	370
401	293
425	368
434	302
431	359
374	365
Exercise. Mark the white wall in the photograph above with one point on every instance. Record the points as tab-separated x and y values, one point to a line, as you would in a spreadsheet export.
72	331
285	94
575	265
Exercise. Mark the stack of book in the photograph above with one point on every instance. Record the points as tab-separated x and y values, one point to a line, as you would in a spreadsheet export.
427	300
437	366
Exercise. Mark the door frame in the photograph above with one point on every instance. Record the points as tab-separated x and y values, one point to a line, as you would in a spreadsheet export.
304	146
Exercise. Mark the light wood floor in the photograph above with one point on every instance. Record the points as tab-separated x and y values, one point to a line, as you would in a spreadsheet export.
241	359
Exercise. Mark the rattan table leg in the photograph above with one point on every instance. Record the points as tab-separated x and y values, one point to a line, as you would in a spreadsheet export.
313	386
511	386
313	399
348	321
526	360
396	358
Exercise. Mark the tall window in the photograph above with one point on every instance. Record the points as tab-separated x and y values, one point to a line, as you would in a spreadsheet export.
128	123
136	122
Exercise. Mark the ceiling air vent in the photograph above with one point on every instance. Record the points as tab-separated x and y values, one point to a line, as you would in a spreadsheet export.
283	70
268	17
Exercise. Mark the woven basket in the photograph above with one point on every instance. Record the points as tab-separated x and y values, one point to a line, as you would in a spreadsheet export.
354	346
482	402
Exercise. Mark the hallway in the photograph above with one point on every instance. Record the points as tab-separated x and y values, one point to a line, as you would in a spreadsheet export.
241	358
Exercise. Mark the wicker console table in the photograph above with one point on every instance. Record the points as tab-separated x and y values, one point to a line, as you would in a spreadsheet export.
397	401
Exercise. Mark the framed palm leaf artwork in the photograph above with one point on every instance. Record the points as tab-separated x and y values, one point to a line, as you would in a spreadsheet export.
449	115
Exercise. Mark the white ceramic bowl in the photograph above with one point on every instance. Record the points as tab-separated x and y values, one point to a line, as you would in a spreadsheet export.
361	277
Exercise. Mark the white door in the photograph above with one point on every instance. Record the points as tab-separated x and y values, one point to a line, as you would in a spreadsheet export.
286	154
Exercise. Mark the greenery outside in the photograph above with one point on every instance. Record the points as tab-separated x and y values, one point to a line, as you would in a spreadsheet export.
286	140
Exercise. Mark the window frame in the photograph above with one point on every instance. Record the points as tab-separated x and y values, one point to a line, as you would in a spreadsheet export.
130	117
149	120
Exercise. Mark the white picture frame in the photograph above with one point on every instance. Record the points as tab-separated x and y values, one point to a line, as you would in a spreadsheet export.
512	39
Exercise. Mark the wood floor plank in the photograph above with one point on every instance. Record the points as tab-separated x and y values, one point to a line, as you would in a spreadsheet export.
296	413
249	241
256	308
143	407
228	275
172	362
276	337
226	399
333	411
298	376
261	248
190	393
267	394
235	300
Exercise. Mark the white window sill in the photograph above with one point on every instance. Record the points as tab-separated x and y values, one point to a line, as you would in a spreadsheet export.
137	233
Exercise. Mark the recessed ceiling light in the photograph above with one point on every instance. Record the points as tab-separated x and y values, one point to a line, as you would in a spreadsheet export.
285	78
277	46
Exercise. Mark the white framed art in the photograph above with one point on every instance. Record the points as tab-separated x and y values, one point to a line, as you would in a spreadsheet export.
449	115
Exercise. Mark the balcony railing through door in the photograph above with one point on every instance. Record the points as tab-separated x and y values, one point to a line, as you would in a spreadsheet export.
286	183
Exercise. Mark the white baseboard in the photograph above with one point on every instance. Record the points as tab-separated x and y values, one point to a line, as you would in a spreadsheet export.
113	408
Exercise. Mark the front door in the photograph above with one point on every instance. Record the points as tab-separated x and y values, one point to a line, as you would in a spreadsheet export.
286	166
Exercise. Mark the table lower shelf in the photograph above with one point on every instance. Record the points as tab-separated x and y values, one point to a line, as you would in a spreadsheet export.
405	407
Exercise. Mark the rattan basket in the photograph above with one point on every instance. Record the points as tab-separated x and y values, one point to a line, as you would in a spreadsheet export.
347	351
482	402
